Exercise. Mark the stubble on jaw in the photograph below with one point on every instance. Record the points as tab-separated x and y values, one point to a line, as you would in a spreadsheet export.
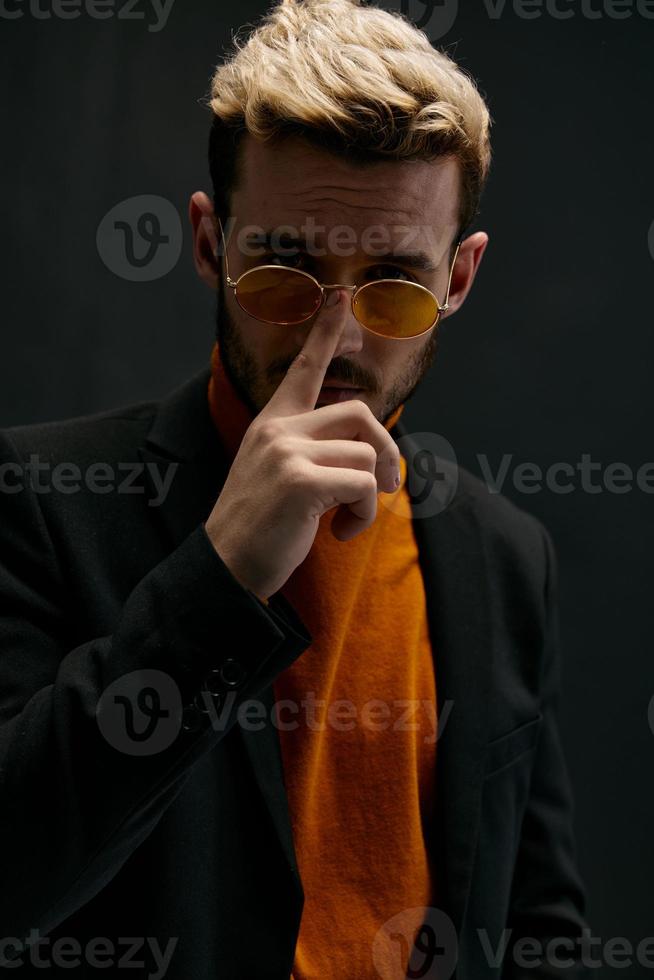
241	369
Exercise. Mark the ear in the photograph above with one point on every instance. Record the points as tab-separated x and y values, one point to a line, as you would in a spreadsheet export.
465	269
205	241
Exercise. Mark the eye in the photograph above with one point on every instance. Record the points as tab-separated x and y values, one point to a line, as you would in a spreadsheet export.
389	272
293	261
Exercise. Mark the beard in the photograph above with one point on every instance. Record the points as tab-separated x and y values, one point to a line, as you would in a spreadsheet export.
241	369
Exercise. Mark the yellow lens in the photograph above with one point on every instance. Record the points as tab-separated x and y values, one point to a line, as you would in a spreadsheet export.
396	308
277	295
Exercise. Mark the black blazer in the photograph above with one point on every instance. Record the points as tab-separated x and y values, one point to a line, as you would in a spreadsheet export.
189	843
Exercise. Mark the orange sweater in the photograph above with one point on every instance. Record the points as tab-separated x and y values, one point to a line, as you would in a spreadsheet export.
357	724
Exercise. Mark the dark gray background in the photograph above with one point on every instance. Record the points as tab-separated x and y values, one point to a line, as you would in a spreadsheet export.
549	359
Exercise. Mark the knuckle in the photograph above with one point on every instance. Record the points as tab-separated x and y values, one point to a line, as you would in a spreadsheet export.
361	409
283	449
390	455
300	361
369	482
394	455
297	479
370	454
267	431
305	361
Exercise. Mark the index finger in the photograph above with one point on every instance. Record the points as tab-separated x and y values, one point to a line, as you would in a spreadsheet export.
299	389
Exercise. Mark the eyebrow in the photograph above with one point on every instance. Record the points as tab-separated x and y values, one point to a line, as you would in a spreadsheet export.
418	261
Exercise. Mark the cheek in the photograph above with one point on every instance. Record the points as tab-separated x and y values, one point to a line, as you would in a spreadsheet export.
270	347
402	357
423	351
252	335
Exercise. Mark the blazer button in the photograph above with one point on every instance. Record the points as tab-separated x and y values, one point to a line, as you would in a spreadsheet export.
192	718
231	673
200	701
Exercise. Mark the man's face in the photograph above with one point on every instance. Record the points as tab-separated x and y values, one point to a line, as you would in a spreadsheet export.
357	223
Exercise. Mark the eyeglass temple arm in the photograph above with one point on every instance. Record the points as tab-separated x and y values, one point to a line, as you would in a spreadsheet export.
230	281
446	305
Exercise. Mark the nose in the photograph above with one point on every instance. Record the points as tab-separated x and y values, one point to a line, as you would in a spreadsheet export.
351	339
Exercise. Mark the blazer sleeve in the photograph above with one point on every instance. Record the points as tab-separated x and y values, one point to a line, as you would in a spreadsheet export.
78	791
548	899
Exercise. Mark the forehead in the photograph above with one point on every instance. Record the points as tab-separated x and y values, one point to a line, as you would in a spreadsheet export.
290	181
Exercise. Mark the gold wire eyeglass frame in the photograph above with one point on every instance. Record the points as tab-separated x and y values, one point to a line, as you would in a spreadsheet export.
357	290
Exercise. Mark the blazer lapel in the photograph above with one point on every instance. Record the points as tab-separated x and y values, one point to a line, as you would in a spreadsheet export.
457	583
456	576
264	751
182	436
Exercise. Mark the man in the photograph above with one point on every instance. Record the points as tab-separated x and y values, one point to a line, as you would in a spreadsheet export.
276	706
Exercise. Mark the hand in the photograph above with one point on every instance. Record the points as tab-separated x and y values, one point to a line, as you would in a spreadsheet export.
296	462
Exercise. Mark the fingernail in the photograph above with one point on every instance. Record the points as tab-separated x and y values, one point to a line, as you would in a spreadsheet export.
333	298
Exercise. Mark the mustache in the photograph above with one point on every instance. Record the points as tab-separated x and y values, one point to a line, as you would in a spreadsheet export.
338	371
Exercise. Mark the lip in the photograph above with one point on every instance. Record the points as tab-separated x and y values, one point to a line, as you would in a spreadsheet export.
330	384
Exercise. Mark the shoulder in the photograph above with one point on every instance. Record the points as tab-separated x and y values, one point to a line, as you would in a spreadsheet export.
472	516
83	438
512	546
499	516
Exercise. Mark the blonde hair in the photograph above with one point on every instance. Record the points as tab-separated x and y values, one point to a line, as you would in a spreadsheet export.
354	79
